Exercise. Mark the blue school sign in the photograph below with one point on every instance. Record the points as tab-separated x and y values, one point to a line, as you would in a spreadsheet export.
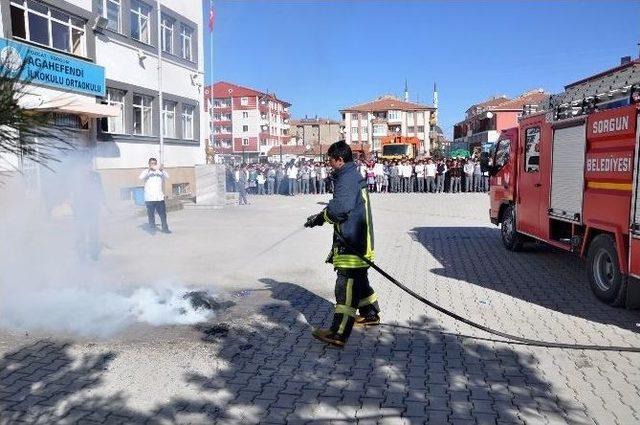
46	68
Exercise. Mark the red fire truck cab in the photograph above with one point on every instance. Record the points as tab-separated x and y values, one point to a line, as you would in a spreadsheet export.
568	176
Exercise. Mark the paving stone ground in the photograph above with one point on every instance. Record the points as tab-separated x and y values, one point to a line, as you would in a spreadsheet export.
256	362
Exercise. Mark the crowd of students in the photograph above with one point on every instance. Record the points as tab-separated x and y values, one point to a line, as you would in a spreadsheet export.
384	176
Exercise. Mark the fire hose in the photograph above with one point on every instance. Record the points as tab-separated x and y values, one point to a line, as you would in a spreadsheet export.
509	339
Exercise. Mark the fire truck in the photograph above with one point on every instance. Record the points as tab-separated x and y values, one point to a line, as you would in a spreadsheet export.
568	176
398	147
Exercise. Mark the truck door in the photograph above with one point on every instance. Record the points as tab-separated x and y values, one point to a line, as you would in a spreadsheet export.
529	183
634	248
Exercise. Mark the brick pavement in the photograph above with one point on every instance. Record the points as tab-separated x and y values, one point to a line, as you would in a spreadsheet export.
257	362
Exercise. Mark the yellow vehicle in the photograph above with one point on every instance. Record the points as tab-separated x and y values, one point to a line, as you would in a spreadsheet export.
399	147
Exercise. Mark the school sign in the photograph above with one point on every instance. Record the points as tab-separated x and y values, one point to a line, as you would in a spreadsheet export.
43	67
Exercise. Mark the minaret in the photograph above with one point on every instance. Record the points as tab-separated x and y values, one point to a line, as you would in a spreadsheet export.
435	103
406	91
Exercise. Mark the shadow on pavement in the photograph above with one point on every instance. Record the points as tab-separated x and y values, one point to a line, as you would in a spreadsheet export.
272	371
540	275
41	383
276	372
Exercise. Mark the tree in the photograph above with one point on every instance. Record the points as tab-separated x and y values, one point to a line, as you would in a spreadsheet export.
28	134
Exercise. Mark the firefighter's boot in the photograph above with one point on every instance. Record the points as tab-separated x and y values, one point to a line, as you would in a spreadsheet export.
367	320
329	337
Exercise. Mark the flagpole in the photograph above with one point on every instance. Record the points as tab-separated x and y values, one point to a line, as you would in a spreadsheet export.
211	123
160	101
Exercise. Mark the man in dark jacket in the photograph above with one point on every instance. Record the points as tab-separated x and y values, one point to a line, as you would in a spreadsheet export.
350	213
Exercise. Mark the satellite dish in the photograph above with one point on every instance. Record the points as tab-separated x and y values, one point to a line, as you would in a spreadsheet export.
489	115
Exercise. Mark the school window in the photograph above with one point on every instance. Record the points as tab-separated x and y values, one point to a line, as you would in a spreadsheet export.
532	150
245	115
186	37
245	128
245	142
167	34
168	118
244	101
187	121
49	27
140	21
110	9
114	124
142	110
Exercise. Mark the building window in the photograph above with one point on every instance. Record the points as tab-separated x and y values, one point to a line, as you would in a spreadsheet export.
142	115
244	101
421	129
411	129
245	128
365	130
245	142
187	121
114	124
41	24
263	142
168	119
354	116
186	36
140	21
354	131
167	34
379	129
393	115
178	189
245	115
110	9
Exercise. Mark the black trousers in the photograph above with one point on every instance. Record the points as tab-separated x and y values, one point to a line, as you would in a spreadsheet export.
353	293
161	207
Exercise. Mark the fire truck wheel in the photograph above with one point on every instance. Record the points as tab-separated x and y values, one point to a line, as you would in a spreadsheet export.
511	239
607	283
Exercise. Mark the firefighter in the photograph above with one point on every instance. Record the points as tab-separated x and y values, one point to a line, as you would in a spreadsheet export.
350	213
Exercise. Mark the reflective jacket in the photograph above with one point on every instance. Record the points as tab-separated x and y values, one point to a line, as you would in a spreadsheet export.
350	212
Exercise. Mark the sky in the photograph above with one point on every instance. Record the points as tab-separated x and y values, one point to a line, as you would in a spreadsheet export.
324	56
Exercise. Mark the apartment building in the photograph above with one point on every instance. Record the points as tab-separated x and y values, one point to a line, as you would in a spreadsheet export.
98	70
367	123
245	123
485	120
315	131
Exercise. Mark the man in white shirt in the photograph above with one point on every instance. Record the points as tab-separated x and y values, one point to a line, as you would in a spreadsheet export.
468	175
406	170
292	175
153	178
430	172
419	169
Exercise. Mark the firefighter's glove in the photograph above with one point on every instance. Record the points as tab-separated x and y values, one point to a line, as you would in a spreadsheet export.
315	220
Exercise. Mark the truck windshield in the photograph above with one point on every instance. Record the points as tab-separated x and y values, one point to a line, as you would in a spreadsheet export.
392	150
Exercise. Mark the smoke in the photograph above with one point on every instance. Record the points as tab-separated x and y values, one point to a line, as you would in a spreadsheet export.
51	276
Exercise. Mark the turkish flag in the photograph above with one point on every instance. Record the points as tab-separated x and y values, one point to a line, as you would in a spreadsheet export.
212	15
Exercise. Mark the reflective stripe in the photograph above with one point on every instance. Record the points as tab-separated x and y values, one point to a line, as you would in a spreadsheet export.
345	309
365	197
350	311
326	216
348	261
369	300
